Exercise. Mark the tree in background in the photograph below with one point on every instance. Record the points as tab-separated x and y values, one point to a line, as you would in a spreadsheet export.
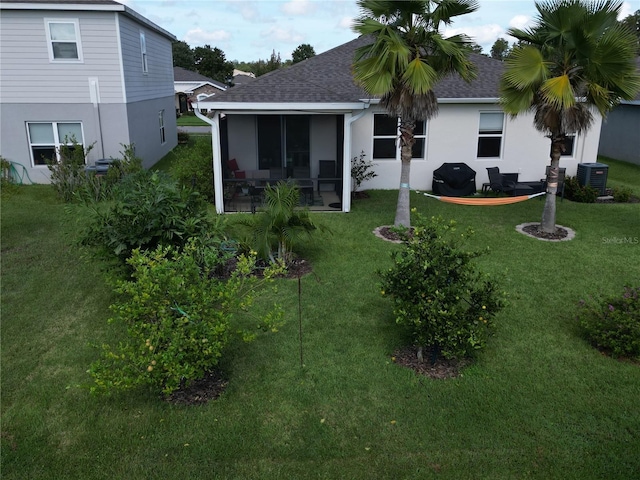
302	52
475	48
576	58
212	63
500	49
408	56
633	23
182	55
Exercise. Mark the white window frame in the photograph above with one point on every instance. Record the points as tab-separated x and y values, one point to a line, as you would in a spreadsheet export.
143	53
499	135
50	41
396	138
163	133
57	141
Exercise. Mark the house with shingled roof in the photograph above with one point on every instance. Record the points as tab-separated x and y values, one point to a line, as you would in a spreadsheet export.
91	70
308	121
188	85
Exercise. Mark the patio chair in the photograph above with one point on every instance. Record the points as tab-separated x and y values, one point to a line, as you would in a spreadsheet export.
327	171
507	183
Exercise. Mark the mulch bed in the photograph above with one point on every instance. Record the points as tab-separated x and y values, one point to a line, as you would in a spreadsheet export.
201	391
441	368
534	230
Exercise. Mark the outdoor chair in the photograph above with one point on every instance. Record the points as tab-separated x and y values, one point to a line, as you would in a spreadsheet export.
507	183
327	171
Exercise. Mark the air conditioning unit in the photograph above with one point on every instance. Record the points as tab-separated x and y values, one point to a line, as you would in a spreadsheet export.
593	175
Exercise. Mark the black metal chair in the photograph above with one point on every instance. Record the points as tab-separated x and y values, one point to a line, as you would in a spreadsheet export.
507	183
327	174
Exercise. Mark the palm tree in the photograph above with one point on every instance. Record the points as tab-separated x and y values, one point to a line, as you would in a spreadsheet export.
406	59
575	60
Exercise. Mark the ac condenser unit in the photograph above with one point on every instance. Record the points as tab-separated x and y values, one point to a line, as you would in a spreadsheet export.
593	175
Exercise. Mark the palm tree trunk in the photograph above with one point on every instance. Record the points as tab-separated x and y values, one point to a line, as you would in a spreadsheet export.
403	207
548	223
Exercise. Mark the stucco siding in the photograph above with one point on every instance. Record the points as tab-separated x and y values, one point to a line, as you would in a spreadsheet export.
619	137
453	137
144	128
29	76
157	82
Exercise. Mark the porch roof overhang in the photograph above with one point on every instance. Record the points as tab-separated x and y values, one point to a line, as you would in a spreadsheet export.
282	107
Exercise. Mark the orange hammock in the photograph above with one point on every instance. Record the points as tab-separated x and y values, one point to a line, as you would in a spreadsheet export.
483	201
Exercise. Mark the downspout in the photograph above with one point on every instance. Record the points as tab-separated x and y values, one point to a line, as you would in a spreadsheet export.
346	155
218	197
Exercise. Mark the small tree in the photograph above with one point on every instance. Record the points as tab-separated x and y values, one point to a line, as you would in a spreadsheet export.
68	169
280	223
302	52
439	292
361	170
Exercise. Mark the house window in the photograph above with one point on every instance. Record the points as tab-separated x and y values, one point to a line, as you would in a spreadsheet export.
143	51
45	139
63	40
163	137
385	135
569	143
419	134
490	134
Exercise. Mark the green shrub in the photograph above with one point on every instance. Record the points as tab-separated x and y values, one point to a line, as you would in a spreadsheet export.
612	323
361	170
278	225
96	187
621	194
148	209
178	319
68	173
192	166
579	193
439	292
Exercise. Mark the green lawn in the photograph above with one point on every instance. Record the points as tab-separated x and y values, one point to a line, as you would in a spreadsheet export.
190	120
540	402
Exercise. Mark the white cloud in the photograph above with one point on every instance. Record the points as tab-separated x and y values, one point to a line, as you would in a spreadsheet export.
625	11
198	36
281	35
298	7
521	22
484	35
346	22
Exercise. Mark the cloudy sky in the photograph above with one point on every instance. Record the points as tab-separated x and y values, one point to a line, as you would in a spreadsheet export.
249	30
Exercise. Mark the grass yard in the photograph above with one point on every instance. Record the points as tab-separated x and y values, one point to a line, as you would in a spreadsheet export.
189	119
539	403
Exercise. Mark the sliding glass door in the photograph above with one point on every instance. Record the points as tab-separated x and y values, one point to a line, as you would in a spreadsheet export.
283	143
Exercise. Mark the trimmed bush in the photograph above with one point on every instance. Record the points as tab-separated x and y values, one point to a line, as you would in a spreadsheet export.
579	193
439	292
612	323
178	319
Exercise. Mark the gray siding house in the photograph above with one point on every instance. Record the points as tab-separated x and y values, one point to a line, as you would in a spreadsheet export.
90	69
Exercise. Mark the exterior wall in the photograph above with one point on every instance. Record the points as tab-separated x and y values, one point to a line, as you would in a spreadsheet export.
243	140
28	76
158	81
453	137
91	91
619	137
17	149
145	135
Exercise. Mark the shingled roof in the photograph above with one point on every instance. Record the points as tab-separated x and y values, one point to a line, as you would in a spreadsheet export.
183	75
327	78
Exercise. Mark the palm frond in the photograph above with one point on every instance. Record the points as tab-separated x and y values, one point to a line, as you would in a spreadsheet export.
514	100
448	9
558	92
525	68
419	77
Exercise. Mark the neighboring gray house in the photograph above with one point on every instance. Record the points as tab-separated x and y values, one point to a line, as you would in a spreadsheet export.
92	69
620	135
188	85
309	117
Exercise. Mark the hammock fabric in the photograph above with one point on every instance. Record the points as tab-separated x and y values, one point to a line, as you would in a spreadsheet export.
484	201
